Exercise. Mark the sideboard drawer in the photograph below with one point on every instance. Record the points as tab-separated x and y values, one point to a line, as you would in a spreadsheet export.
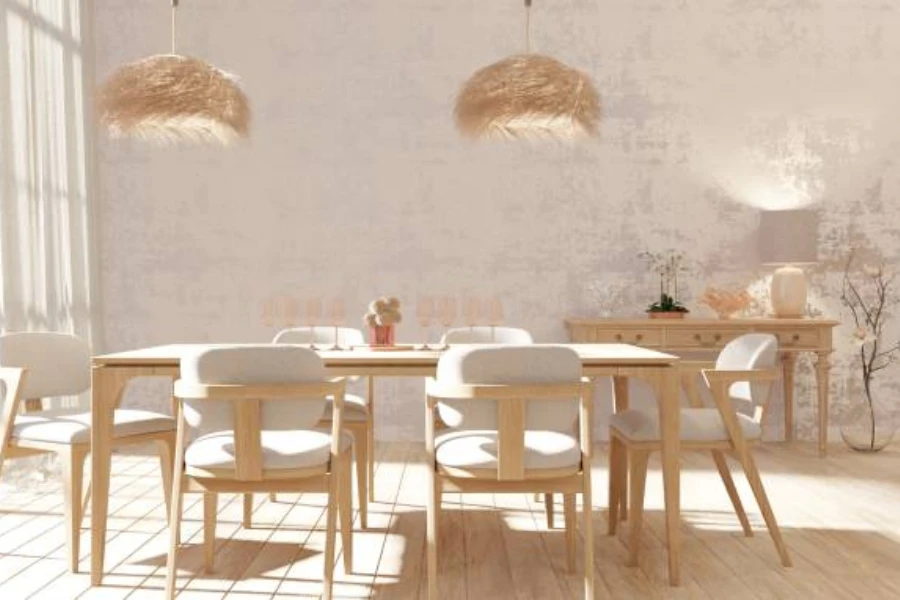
700	338
801	338
638	337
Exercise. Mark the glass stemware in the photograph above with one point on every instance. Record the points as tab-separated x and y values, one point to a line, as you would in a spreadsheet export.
425	312
471	309
447	314
313	314
338	314
494	313
290	310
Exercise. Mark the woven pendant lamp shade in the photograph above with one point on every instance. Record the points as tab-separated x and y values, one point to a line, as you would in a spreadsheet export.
170	98
528	95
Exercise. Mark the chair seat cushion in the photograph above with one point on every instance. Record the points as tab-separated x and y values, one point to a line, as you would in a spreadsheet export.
76	428
697	425
355	409
288	449
478	450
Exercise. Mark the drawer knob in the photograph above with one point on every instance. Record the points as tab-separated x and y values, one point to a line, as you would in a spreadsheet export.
697	337
717	337
639	337
795	337
618	337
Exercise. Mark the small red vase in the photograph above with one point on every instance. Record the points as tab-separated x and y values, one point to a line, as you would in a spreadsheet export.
381	335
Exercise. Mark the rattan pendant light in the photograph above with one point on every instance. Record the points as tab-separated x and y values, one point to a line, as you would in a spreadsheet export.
528	95
171	98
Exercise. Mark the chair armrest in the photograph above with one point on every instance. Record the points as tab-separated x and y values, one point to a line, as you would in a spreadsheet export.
14	378
696	366
720	375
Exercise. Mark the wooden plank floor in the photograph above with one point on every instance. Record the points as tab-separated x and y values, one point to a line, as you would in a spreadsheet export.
840	518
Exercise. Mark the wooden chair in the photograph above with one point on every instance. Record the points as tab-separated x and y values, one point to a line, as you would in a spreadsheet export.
740	382
487	335
39	365
498	335
511	410
253	411
358	413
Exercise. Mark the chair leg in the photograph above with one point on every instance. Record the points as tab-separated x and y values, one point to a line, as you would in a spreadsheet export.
569	517
637	460
725	474
370	467
434	501
548	508
624	474
174	522
73	479
247	520
363	481
345	511
760	493
330	526
210	508
615	447
166	450
587	510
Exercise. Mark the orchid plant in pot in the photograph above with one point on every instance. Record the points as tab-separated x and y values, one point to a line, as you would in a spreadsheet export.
667	265
869	295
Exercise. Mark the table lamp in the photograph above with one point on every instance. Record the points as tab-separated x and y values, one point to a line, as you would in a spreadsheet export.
788	239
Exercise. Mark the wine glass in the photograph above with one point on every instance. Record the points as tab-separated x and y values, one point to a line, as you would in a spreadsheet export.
494	312
446	314
313	315
338	313
425	312
290	310
471	309
270	307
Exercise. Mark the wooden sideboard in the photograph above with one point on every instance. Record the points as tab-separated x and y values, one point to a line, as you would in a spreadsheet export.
695	335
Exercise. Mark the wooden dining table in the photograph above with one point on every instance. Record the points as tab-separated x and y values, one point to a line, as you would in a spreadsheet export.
111	373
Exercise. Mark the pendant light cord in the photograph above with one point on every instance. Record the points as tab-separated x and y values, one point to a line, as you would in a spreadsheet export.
174	7
527	26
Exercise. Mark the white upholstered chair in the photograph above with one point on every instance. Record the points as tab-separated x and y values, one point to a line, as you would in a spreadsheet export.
39	365
487	335
740	382
253	412
358	410
510	411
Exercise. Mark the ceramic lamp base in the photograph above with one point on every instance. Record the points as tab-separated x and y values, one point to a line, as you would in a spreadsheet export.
788	292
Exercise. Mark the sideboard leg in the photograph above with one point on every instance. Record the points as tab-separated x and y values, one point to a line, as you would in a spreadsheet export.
789	361
823	367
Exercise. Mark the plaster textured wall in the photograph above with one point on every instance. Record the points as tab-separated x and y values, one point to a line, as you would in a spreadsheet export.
355	182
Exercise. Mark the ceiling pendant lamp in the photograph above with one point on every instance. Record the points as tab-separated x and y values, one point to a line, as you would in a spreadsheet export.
528	95
170	98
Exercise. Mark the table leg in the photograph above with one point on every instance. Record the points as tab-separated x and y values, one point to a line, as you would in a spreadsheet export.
106	387
823	367
788	360
370	440
620	403
670	426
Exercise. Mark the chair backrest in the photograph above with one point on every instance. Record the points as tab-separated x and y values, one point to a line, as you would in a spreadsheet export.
487	335
254	366
58	364
509	365
747	352
346	336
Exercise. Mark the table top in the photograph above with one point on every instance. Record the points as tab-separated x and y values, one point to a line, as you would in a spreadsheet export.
596	355
689	321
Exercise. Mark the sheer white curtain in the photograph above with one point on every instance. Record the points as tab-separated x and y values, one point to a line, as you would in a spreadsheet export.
45	166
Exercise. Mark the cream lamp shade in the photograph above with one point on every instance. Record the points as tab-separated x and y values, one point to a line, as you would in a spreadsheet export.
788	239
